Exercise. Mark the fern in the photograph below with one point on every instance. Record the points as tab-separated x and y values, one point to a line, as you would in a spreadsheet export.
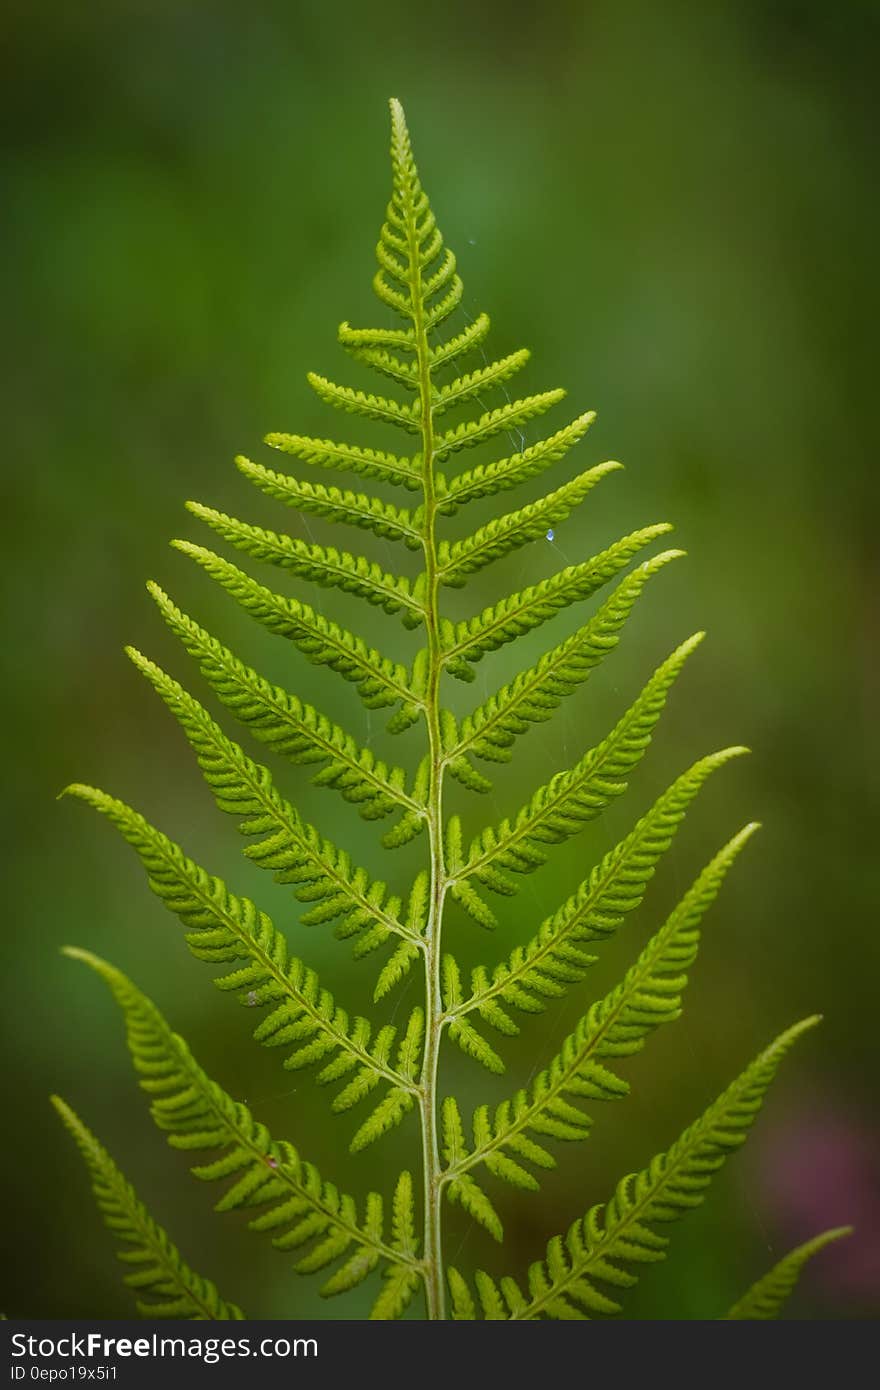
766	1297
176	1290
386	1070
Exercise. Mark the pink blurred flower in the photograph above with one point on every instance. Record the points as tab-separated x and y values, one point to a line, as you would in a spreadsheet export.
819	1166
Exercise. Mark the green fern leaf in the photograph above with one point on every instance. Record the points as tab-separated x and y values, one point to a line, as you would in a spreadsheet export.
511	416
400	1283
222	928
507	533
316	563
377	680
490	730
474	1045
620	1234
347	508
614	1027
360	403
398	965
487	479
292	849
403	1217
462	1188
464	1191
197	1114
387	1115
468	340
554	959
765	1299
465	388
491	1298
469	641
443	405
473	904
175	1290
358	340
369	463
386	363
460	1030
498	1301
561	807
290	727
463	1308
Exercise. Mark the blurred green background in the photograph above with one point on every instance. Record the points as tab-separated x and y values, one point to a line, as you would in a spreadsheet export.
676	207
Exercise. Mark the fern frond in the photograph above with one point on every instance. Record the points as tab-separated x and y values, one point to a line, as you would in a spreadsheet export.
223	928
490	731
462	1187
377	680
354	402
463	1306
498	1300
765	1299
469	641
174	1290
555	958
465	388
603	1246
464	1191
474	1045
487	479
386	363
393	1070
410	243
369	463
291	727
195	1113
461	1031
335	504
462	343
561	807
398	965
367	343
401	1279
387	1115
614	1027
400	1283
510	416
506	533
610	1239
324	565
290	848
400	1099
359	339
440	311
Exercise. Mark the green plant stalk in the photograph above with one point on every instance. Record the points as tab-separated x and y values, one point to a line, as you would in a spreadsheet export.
435	1283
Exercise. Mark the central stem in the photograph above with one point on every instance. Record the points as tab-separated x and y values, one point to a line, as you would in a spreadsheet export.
435	1288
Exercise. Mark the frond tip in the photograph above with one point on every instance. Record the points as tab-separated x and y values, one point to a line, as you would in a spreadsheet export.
765	1299
175	1290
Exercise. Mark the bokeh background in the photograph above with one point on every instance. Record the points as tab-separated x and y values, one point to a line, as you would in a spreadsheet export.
677	208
